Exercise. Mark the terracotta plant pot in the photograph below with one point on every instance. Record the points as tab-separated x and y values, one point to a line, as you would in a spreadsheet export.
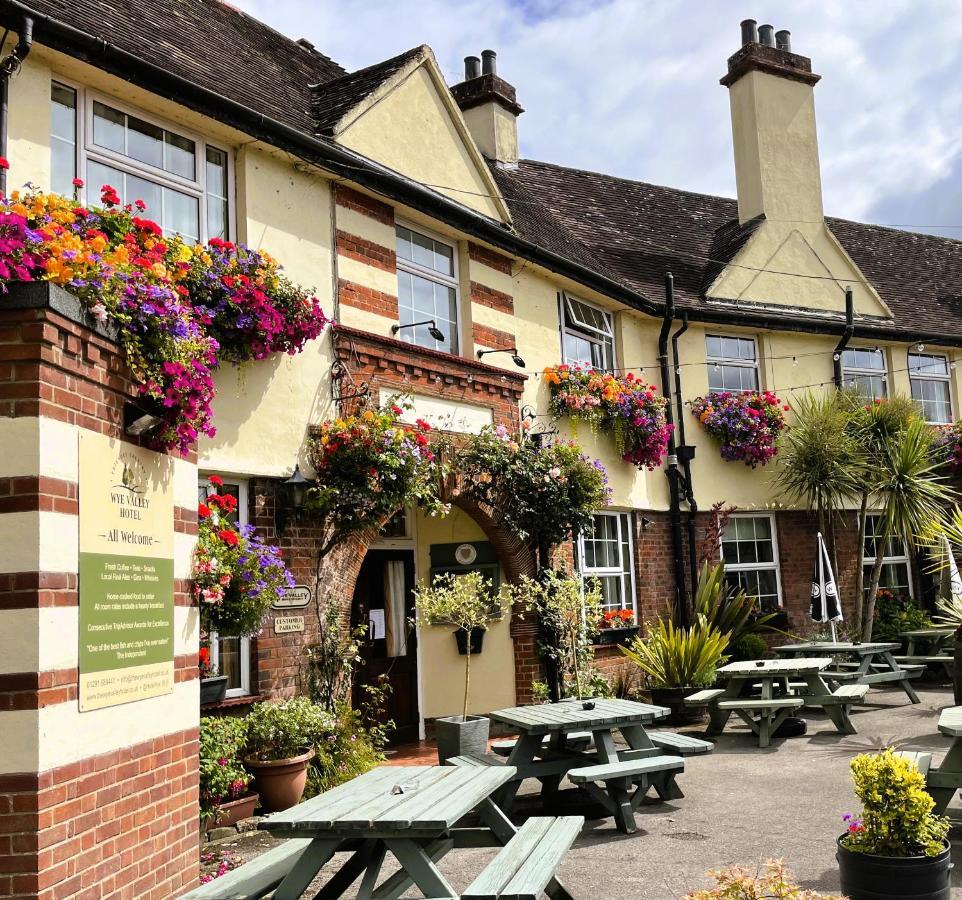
230	813
868	877
674	699
280	782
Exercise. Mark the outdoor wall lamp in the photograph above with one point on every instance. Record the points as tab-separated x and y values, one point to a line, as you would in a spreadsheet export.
293	493
518	361
433	329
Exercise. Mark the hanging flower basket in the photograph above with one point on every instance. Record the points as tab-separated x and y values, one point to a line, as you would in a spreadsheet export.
624	407
746	424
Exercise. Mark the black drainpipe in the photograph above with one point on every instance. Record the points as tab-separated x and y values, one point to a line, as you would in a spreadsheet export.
846	337
674	476
8	66
686	453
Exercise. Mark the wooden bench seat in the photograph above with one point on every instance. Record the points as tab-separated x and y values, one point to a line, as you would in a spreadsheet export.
576	740
921	759
630	769
749	703
846	694
703	698
923	660
255	878
525	867
680	744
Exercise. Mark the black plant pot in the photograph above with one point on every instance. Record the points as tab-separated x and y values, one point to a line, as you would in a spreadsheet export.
674	699
213	690
477	640
615	635
868	877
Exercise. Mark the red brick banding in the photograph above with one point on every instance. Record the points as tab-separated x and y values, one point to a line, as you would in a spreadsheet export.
364	204
492	338
351	294
35	590
489	258
365	251
31	493
490	297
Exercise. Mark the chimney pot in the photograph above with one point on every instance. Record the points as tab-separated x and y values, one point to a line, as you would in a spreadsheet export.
472	67
489	62
783	40
749	32
766	35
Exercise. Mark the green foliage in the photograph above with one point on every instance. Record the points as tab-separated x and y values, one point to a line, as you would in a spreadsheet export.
730	611
748	646
895	614
286	728
897	817
740	883
222	777
346	750
463	602
569	610
542	494
331	660
673	657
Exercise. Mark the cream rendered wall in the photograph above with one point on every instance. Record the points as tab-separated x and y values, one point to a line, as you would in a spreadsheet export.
412	131
441	668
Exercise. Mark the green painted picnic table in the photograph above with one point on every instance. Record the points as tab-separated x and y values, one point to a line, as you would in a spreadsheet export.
943	782
412	811
532	756
785	686
869	663
928	647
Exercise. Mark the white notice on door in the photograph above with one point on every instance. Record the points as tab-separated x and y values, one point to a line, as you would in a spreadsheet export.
376	627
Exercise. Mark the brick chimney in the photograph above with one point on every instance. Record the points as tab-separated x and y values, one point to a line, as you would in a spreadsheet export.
490	108
773	128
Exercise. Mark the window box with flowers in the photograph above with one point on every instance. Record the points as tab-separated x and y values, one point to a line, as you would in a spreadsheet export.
213	686
625	407
746	423
236	576
616	626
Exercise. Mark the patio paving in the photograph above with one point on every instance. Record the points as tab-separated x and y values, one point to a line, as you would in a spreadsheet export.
742	805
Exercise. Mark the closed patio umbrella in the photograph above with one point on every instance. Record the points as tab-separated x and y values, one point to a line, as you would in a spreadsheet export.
950	586
825	603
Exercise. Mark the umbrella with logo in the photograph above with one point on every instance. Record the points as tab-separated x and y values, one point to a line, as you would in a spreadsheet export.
826	606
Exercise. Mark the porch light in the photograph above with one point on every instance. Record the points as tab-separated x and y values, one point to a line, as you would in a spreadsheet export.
518	361
433	329
291	499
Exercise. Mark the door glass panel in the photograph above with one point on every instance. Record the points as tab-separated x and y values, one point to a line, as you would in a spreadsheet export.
395	620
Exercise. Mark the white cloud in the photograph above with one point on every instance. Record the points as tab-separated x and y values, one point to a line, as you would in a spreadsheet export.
630	87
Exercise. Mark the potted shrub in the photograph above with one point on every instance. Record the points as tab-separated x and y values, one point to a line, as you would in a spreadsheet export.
223	787
677	662
213	687
280	745
616	626
897	846
465	603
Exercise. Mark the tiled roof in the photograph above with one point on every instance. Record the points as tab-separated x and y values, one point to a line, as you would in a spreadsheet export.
211	44
334	99
638	232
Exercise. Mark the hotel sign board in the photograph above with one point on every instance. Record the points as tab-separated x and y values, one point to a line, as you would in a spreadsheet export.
126	573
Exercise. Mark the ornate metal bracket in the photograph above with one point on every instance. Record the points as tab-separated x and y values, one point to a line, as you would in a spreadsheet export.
541	428
340	374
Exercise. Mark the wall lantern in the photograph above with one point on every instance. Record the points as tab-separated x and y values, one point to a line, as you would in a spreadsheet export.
291	498
516	359
139	421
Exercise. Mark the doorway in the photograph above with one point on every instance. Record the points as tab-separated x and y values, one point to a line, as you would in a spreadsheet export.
384	605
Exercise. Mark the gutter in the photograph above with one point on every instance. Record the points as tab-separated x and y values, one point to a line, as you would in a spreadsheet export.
9	66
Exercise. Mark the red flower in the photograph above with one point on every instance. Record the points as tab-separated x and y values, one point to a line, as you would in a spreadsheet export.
3	163
228	536
203	510
109	196
147	225
216	480
140	205
77	182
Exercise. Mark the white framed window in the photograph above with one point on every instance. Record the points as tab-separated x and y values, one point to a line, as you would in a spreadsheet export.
427	274
184	181
749	549
605	554
732	363
231	656
896	565
929	378
587	334
865	370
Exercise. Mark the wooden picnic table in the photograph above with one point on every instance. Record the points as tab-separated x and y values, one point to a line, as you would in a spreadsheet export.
785	686
869	663
544	751
412	811
944	780
933	639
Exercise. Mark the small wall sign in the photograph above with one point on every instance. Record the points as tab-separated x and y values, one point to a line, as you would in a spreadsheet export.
296	597
288	624
466	554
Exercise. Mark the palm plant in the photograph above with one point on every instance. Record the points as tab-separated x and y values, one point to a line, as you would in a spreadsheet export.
729	610
679	657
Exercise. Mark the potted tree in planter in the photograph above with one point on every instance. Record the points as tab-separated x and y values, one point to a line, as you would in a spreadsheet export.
280	745
465	603
224	795
677	662
213	687
897	847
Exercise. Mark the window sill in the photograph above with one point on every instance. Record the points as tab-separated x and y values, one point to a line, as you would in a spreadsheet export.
229	702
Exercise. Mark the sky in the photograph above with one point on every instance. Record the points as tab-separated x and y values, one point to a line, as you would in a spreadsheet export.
630	87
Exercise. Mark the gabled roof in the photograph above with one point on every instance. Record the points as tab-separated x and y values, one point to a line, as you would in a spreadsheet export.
636	232
210	44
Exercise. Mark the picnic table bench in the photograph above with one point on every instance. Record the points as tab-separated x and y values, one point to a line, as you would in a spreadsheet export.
944	780
932	650
870	663
418	814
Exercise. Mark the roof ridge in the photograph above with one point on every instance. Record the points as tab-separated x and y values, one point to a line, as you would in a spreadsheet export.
369	68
